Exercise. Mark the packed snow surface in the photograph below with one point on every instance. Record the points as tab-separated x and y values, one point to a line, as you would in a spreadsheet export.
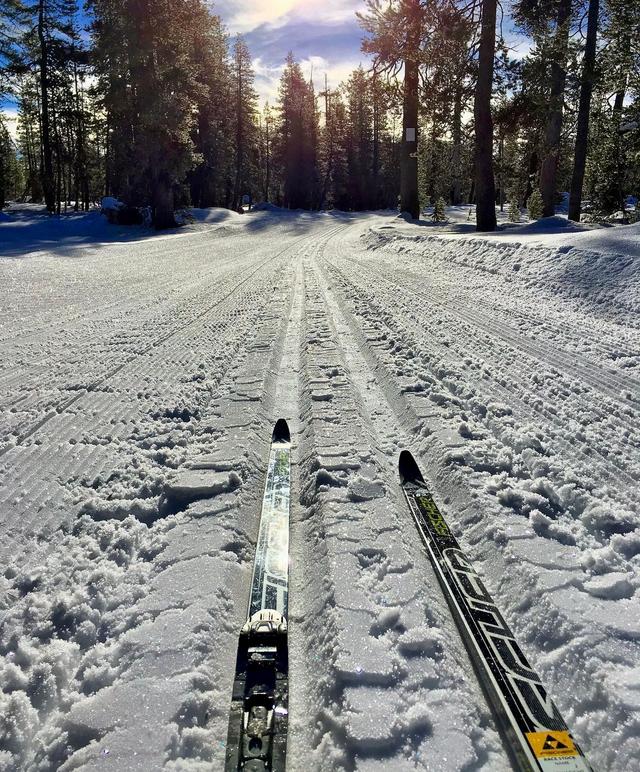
140	378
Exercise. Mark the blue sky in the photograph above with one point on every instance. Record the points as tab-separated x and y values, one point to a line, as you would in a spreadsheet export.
323	34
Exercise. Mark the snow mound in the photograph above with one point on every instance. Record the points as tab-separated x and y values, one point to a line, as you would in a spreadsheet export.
212	215
555	224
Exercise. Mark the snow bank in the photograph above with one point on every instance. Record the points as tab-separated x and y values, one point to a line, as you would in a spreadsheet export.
598	269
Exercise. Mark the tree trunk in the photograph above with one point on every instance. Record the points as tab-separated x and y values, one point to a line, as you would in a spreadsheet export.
3	182
163	216
48	183
485	184
582	131
267	176
409	199
618	104
237	192
375	161
501	173
549	170
456	153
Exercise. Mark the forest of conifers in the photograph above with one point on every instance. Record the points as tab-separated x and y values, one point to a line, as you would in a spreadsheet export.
150	101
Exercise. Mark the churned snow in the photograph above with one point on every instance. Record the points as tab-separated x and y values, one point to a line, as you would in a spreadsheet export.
140	377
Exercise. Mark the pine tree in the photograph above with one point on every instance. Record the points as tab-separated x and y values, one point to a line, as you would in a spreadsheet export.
297	134
582	131
245	110
10	174
146	60
211	178
439	210
397	33
535	205
359	140
553	129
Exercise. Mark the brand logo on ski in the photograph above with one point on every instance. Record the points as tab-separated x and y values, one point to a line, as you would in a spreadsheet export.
552	745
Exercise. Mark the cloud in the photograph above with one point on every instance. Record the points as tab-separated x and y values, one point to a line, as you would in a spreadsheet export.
243	17
10	119
324	37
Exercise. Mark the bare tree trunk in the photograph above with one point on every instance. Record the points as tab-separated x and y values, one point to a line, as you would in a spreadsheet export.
549	169
409	199
456	153
375	161
162	195
582	131
329	135
618	104
237	193
48	183
485	190
267	180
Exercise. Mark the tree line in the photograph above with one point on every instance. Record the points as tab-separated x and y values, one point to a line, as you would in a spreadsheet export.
153	103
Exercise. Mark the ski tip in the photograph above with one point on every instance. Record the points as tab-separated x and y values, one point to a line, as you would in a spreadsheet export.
408	468
281	431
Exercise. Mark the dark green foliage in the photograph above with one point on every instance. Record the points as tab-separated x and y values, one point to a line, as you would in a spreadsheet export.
439	214
10	171
534	205
159	108
297	140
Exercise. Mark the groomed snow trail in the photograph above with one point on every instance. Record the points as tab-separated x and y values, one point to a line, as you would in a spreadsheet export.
139	384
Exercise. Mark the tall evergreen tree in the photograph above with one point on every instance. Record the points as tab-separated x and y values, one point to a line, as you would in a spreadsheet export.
145	56
584	111
296	139
396	35
485	184
245	109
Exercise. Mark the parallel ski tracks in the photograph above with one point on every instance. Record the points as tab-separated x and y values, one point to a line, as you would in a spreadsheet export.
398	410
63	404
343	414
609	467
25	511
120	307
608	383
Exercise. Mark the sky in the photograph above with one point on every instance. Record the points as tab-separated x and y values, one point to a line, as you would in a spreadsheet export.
323	34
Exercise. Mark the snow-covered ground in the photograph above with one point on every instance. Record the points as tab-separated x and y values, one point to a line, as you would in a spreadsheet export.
507	363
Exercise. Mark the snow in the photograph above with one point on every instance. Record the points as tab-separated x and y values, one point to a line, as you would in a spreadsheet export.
140	378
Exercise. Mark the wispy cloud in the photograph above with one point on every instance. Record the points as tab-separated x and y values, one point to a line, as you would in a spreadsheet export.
323	36
10	118
243	17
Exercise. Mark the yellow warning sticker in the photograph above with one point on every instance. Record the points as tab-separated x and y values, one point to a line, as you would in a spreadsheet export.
552	744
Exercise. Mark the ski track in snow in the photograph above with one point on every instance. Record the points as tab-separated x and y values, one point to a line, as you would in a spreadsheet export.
139	384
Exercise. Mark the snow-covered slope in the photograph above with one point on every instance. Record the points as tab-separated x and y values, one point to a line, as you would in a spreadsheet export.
129	361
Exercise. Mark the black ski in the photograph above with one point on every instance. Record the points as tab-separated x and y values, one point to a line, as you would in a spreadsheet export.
258	720
536	735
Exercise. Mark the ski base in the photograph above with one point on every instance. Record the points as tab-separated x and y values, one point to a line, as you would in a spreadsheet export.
536	736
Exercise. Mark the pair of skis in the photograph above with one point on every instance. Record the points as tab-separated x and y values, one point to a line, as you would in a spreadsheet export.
536	736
